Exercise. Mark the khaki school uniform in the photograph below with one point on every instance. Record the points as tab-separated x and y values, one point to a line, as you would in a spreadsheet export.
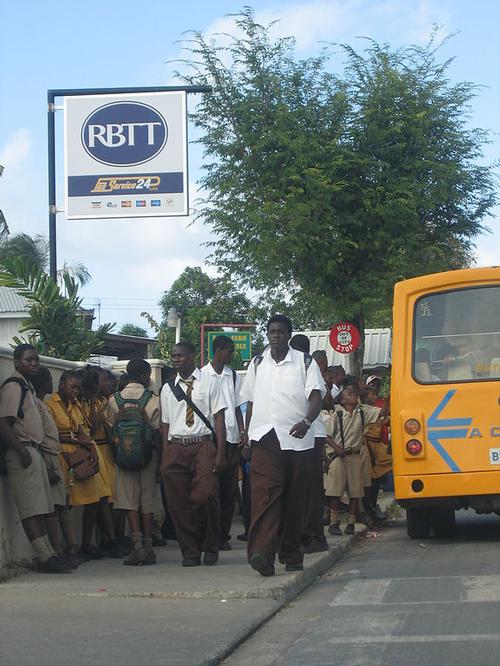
136	489
30	487
69	418
347	474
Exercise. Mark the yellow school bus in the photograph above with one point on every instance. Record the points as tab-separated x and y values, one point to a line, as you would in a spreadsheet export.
445	397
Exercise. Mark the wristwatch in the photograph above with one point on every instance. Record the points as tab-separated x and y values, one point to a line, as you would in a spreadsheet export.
307	422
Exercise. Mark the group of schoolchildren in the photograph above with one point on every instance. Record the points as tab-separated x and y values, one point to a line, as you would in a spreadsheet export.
90	455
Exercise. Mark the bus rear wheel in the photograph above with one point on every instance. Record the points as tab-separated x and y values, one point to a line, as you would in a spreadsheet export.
443	522
418	523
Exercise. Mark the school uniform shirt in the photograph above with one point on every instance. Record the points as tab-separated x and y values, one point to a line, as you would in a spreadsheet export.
352	425
30	427
51	443
206	395
280	395
230	385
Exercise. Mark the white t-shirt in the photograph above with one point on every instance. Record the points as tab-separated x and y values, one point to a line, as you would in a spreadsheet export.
206	395
280	393
230	385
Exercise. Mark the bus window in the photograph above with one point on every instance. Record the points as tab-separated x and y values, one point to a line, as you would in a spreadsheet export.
457	336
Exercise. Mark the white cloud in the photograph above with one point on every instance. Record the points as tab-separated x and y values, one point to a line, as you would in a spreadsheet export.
488	253
15	152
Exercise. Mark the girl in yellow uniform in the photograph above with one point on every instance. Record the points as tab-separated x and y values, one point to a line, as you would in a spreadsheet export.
74	431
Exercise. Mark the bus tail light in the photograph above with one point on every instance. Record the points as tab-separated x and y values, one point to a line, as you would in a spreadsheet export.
414	447
412	427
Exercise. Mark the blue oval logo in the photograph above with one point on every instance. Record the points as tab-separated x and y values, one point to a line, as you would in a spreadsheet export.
124	133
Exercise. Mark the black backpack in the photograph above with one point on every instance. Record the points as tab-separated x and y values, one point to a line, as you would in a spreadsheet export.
20	415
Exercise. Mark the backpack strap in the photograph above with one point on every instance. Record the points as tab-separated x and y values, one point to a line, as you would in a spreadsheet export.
181	395
24	390
341	426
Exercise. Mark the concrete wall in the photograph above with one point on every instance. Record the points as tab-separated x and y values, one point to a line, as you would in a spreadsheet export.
14	546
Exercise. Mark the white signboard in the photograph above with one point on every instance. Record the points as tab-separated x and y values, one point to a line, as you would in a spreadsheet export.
125	155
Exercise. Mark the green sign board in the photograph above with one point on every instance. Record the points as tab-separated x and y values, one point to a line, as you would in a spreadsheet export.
242	343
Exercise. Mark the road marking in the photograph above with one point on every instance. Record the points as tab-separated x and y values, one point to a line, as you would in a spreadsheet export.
470	589
389	638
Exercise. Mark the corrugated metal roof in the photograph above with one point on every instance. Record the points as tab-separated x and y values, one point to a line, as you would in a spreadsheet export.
377	348
10	301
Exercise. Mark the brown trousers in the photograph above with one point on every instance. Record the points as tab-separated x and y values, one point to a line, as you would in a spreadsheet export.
227	490
192	494
315	496
278	483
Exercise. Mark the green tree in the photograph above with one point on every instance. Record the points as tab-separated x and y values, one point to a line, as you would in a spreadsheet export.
328	188
55	323
133	329
199	298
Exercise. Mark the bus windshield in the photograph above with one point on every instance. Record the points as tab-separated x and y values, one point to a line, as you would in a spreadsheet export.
457	336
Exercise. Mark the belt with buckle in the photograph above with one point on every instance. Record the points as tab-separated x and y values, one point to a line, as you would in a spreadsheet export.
189	441
35	445
351	452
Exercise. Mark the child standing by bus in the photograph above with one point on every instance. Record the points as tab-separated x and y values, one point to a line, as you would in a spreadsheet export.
345	473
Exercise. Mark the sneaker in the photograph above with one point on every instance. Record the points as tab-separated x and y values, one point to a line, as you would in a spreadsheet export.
294	567
159	541
210	559
136	557
225	546
260	563
150	558
315	545
242	537
349	529
335	530
191	562
53	566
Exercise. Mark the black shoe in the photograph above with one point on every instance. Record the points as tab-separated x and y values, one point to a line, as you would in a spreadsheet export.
191	562
225	546
70	562
53	566
242	537
91	552
294	567
260	563
334	529
112	549
210	559
316	545
349	529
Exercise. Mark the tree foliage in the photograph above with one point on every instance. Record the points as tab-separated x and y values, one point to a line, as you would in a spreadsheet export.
133	329
55	323
199	299
328	188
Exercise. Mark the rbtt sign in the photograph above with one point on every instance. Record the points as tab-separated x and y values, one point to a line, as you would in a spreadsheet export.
125	155
124	133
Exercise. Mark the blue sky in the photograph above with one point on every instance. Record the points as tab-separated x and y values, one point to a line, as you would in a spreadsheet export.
64	44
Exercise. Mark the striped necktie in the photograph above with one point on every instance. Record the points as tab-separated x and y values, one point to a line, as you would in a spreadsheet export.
189	409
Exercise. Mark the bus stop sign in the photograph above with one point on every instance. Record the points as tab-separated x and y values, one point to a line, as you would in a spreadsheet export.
344	337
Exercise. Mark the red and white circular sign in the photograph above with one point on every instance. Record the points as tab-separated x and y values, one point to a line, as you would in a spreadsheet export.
344	337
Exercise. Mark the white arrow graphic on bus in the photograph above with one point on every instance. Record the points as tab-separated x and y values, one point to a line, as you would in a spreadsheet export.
439	429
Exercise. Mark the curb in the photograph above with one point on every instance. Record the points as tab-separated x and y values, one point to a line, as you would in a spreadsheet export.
284	594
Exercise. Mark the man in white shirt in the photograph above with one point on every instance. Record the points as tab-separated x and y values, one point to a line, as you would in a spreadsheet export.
284	398
191	460
230	384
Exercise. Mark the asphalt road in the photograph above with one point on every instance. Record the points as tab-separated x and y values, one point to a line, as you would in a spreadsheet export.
395	602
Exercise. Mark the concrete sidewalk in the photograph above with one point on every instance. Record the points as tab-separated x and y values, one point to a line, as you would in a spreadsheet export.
199	615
